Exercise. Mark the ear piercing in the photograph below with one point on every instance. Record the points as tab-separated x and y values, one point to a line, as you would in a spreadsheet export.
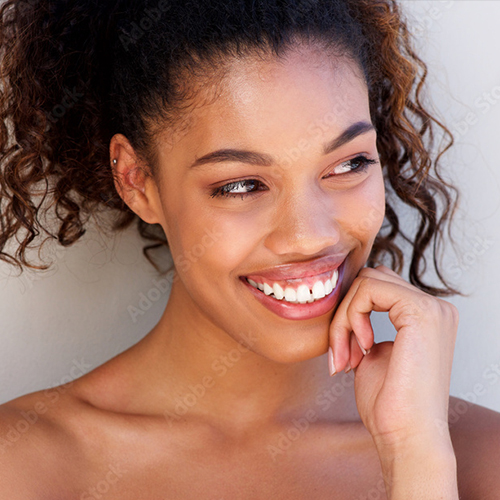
115	161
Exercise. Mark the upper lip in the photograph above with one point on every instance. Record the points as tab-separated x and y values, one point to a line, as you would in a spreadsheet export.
300	270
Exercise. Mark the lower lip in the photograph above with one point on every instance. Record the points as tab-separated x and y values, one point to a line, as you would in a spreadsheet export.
288	310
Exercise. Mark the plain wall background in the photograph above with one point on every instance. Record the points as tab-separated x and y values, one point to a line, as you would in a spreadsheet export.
91	305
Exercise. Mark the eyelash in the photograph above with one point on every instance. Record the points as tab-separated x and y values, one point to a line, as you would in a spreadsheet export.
224	191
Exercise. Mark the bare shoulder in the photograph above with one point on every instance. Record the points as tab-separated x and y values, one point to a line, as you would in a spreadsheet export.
39	449
475	434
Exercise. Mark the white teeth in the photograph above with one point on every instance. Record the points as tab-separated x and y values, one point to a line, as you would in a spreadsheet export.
335	277
318	290
303	294
290	295
278	292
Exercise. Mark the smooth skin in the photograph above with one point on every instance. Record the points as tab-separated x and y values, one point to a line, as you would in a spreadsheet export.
262	417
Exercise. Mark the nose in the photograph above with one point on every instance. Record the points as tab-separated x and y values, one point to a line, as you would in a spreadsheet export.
304	223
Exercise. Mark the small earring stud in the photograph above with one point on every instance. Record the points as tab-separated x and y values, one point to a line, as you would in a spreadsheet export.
115	161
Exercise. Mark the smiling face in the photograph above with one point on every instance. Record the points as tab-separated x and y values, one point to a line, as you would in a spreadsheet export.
275	182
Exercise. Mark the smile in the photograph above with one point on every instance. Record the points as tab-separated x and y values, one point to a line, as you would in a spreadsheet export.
305	290
313	291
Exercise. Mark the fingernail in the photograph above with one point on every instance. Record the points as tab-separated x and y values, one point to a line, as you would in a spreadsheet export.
364	351
347	368
331	364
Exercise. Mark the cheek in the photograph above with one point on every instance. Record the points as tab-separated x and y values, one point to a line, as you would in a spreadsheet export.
242	231
364	209
212	241
374	212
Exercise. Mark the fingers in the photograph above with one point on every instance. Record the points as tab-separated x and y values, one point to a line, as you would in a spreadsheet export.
351	332
385	274
357	353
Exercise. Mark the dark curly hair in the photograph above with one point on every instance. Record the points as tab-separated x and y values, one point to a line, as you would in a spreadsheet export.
73	74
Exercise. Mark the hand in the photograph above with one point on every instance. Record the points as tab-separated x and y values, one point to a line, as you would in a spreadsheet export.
401	387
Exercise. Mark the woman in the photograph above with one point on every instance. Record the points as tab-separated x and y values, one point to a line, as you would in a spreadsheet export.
255	138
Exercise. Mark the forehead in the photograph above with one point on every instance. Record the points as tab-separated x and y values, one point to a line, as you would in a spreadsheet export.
273	102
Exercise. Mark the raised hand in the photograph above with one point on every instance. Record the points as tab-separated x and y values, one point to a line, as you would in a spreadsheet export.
401	387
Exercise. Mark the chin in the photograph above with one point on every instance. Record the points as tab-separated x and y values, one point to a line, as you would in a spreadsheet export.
293	348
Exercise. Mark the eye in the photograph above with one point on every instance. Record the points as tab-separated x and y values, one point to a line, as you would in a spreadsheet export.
238	188
354	165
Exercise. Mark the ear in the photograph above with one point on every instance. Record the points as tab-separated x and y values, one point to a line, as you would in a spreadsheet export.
133	181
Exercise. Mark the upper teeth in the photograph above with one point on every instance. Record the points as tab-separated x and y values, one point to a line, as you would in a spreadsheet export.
302	294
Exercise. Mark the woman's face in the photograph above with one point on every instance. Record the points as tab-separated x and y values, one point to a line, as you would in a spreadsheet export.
294	196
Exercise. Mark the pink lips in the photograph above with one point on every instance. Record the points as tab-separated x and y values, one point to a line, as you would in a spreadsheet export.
297	271
306	311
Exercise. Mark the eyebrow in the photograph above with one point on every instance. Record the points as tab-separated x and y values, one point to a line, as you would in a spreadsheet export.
261	159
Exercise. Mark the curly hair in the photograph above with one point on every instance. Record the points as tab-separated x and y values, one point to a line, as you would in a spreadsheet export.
73	74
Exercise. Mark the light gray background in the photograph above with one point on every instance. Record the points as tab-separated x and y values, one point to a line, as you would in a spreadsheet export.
58	325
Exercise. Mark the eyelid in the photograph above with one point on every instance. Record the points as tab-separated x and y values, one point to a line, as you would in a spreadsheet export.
215	185
366	155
